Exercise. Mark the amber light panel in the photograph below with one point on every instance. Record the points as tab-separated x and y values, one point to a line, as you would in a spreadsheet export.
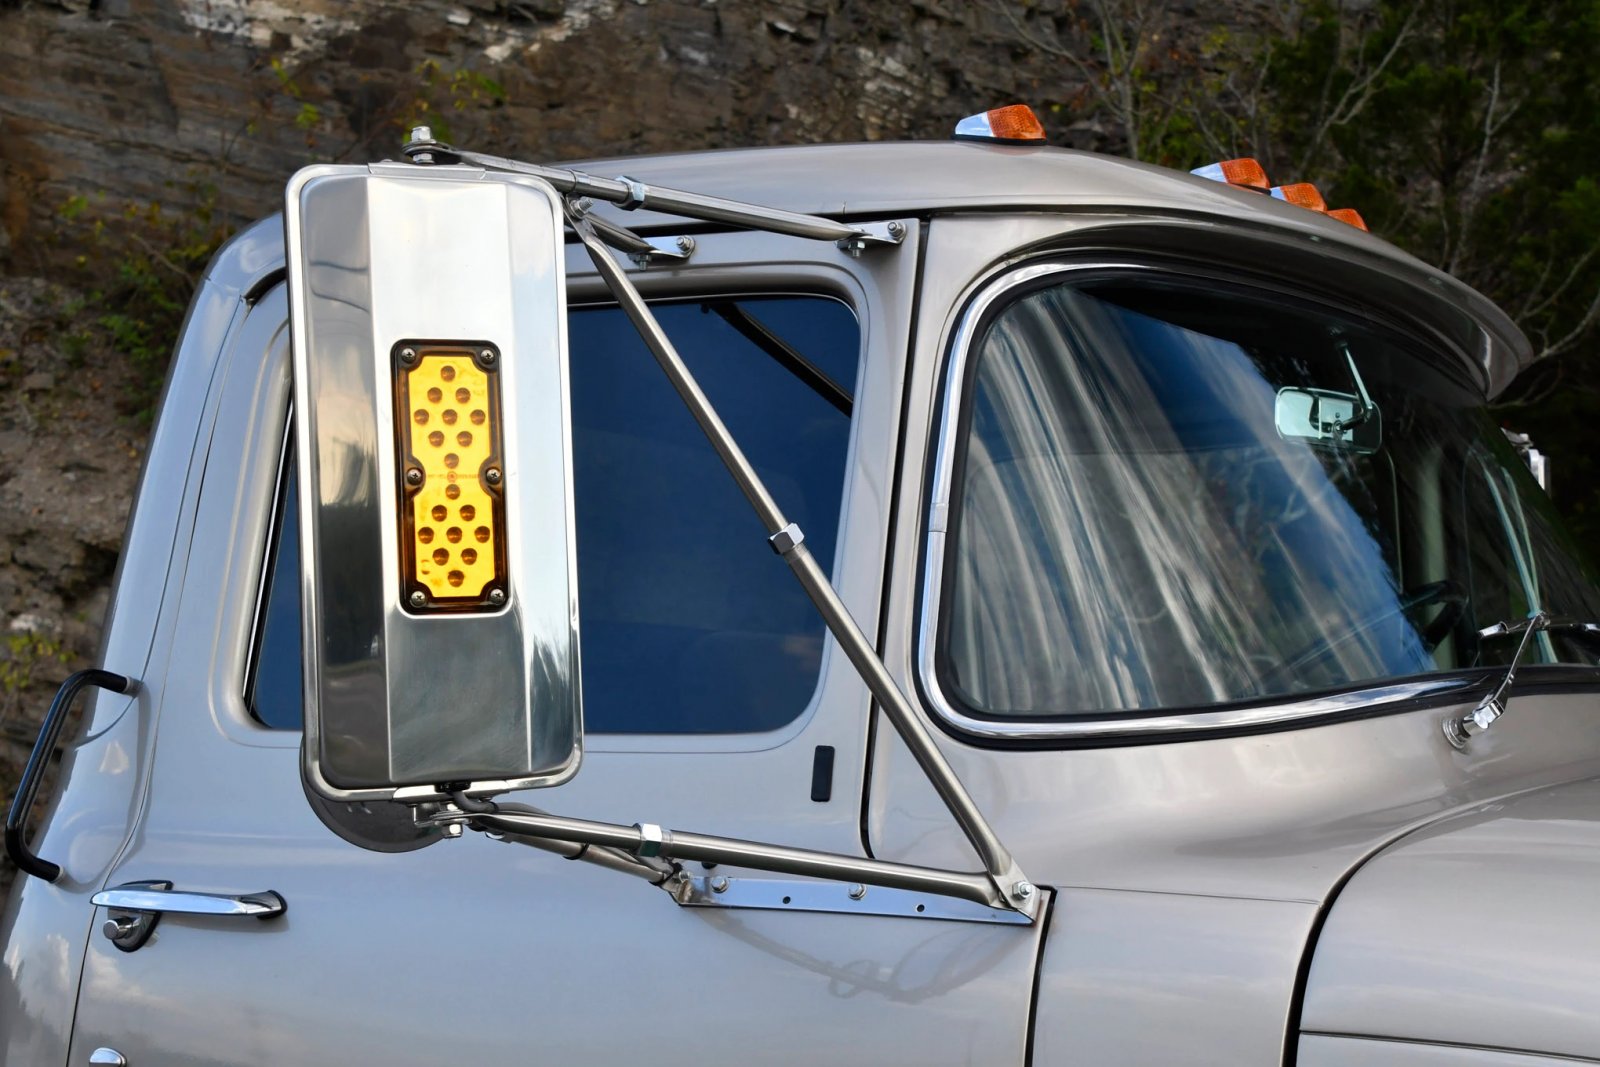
1349	215
1301	194
1016	122
452	513
1247	172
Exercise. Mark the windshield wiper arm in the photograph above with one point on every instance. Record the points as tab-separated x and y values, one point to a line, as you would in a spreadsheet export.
1458	730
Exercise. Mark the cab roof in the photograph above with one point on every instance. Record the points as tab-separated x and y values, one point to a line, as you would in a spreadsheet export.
942	177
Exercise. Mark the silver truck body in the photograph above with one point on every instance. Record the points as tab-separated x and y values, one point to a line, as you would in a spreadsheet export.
1321	880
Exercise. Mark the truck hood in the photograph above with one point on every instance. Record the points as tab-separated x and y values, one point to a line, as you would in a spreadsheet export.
1481	930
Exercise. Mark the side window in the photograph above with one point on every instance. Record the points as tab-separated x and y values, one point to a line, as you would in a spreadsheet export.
688	627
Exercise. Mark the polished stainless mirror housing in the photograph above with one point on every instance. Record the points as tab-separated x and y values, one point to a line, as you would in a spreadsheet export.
433	436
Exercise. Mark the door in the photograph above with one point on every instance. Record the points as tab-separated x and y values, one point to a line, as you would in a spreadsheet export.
713	702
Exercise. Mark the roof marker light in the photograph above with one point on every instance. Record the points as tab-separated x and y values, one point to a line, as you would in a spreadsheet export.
1349	215
1014	124
1245	172
1301	194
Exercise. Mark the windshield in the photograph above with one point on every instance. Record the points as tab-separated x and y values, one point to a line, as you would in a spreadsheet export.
1173	494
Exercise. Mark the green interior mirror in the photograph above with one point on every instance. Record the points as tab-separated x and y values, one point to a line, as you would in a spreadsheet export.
439	588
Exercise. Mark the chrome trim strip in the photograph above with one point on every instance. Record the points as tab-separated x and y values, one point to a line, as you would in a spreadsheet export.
1119	724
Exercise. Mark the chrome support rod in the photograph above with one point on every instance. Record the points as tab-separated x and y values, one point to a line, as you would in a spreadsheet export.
779	859
630	195
1015	891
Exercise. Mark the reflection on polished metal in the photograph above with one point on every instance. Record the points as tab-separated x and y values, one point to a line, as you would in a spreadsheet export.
629	195
769	894
997	861
108	1056
1459	729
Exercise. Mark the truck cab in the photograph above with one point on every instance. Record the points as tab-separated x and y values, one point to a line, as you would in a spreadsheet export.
1170	510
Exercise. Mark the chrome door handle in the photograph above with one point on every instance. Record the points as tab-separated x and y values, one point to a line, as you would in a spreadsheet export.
148	898
135	908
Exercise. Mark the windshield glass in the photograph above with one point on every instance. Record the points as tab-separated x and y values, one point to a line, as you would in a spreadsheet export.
1173	494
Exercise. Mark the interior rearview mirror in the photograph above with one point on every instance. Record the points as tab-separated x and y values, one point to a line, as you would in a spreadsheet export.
439	588
1329	419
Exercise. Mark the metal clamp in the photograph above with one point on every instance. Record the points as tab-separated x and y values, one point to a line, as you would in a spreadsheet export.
787	539
663	249
873	234
43	747
638	193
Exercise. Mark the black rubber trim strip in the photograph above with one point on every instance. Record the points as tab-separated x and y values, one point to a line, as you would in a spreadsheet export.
263	285
895	478
1038	972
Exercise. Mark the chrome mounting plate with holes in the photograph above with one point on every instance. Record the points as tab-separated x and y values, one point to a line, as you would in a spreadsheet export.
771	894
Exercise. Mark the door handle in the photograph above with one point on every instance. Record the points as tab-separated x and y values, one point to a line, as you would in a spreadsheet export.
136	907
43	747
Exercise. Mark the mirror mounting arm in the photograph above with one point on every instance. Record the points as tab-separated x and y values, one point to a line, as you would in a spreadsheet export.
631	195
1009	884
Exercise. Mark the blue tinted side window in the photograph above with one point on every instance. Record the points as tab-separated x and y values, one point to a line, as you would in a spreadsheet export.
690	624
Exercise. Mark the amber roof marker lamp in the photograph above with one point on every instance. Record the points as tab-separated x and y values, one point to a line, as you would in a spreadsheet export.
1015	124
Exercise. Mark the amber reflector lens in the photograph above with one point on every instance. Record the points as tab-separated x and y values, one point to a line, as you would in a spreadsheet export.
450	481
1302	194
1016	123
1350	215
1244	172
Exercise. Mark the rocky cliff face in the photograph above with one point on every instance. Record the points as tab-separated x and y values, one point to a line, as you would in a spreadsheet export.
135	133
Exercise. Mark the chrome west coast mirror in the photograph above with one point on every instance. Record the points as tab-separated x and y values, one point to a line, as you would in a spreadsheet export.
439	588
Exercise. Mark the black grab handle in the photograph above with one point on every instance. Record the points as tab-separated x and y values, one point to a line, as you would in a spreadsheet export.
49	734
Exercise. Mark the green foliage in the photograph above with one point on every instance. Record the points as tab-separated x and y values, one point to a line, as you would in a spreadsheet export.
440	94
143	266
26	653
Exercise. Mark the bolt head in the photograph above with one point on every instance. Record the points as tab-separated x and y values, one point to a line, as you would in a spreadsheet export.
414	476
408	356
857	891
486	357
1022	890
497	596
686	244
492	475
719	884
452	829
421	133
418	599
897	229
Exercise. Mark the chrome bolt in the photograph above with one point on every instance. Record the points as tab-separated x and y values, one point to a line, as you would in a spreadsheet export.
421	133
719	884
497	596
419	599
581	206
1022	890
414	476
897	230
486	357
451	829
120	927
408	356
686	245
492	475
857	890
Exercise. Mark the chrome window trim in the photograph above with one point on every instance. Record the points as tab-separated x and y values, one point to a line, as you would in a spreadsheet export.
1105	725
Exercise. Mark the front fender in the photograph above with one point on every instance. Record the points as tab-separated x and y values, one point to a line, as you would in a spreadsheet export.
1482	930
